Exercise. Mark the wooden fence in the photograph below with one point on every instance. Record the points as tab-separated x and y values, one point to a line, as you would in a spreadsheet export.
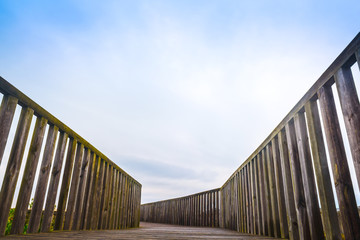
201	209
94	192
285	188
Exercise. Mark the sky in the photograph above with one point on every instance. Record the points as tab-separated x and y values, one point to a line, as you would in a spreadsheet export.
177	93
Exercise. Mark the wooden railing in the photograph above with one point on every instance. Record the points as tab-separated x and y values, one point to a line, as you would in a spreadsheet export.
94	192
279	189
201	209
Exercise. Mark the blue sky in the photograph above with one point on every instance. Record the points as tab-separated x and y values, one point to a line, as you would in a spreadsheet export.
177	93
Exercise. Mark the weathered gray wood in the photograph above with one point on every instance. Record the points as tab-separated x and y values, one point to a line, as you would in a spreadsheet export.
343	185
103	196
254	197
346	57
264	229
43	178
107	202
113	201
7	111
284	231
7	89
28	177
270	229
328	209
54	182
257	189
300	202
96	207
70	210
351	112
64	190
90	192
13	166
307	173
288	187
81	190
275	222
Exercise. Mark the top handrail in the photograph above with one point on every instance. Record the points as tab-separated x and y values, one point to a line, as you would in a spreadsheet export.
346	58
8	89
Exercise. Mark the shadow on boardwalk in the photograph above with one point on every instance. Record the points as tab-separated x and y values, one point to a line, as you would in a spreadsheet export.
146	231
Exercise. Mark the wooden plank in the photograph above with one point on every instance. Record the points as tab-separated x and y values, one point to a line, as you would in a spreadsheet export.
307	173
13	166
43	179
28	177
89	193
7	111
63	195
343	185
103	196
268	216
257	190
250	208
304	230
284	231
254	197
113	201
69	215
96	207
54	182
288	187
154	231
108	187
81	190
350	106
264	229
328	209
118	206
275	222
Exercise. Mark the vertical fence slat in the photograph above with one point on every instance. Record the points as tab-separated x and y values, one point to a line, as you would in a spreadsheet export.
27	182
89	192
7	111
288	187
81	190
13	166
272	188
43	178
350	106
70	210
343	185
257	189
95	208
307	173
300	202
284	231
54	183
328	209
270	229
64	190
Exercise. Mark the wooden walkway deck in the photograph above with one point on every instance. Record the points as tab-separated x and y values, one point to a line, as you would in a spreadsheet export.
146	231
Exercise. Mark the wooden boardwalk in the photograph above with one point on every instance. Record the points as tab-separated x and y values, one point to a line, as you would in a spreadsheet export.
146	231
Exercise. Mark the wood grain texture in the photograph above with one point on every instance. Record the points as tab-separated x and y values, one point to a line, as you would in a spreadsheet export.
64	190
27	182
308	178
54	183
7	111
70	209
350	106
147	231
343	185
328	209
13	167
43	178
